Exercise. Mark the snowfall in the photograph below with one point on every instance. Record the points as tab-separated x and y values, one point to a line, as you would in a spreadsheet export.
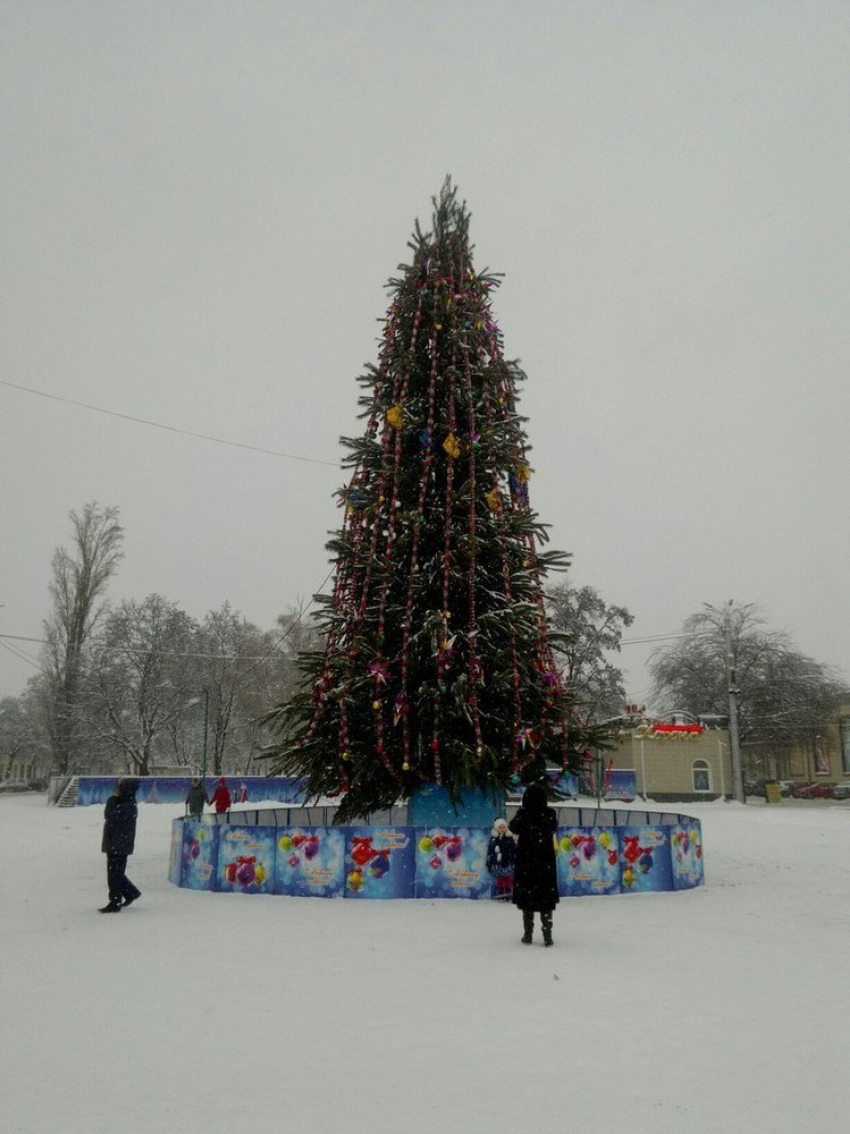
724	1008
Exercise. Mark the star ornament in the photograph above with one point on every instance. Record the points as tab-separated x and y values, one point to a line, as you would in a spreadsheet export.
451	446
379	671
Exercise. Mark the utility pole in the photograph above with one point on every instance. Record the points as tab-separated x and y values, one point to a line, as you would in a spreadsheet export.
206	733
732	685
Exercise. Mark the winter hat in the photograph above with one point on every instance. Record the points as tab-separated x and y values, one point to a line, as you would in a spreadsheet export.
222	781
500	827
534	798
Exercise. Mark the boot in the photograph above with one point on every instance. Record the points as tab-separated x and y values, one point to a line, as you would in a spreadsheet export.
113	907
528	926
546	922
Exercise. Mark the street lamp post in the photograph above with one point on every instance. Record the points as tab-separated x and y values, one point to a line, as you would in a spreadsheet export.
598	762
206	734
720	747
197	701
732	685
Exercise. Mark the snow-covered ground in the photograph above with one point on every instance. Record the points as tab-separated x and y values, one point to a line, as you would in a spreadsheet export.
725	1008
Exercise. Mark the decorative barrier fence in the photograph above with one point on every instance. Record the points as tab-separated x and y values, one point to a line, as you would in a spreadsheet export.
90	790
173	789
598	852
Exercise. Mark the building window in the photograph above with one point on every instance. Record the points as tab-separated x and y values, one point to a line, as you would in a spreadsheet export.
701	774
845	745
822	767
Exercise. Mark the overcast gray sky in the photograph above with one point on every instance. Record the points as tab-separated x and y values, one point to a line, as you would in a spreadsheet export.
201	203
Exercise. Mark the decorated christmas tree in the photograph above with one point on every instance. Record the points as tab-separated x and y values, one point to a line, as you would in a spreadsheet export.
436	665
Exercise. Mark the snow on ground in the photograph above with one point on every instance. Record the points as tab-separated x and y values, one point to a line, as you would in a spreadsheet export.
718	1009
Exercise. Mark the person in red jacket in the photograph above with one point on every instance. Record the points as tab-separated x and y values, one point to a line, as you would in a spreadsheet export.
221	797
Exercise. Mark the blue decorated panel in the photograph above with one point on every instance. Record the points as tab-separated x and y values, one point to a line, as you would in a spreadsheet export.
199	855
620	784
645	859
246	859
588	861
92	790
686	855
379	862
310	862
451	862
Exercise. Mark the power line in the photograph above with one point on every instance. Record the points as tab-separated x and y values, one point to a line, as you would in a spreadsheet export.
20	655
140	650
650	638
171	654
170	428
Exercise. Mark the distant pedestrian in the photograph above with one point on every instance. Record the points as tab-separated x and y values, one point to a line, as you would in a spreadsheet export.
501	855
535	877
196	797
119	840
221	797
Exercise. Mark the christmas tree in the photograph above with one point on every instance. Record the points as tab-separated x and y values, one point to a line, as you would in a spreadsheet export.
437	665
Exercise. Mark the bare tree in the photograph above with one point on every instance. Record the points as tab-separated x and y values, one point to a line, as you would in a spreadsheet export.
243	670
24	751
80	579
585	630
234	656
141	677
784	698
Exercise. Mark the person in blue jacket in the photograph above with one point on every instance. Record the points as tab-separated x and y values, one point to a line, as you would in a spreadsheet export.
119	840
501	853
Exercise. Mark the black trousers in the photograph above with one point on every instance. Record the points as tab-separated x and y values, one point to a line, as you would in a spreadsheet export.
120	886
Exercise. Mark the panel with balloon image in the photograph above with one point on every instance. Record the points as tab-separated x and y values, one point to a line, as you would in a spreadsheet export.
686	855
451	862
246	858
378	862
310	862
645	859
588	861
199	855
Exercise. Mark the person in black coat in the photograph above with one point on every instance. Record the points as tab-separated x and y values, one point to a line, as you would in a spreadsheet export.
119	839
535	875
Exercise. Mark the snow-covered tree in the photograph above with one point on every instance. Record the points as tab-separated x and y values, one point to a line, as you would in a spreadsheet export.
140	680
587	630
784	700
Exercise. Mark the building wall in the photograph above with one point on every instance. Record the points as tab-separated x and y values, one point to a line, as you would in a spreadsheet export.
696	768
20	769
828	758
825	759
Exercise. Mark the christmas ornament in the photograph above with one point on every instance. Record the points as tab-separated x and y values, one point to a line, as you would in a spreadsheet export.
451	446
